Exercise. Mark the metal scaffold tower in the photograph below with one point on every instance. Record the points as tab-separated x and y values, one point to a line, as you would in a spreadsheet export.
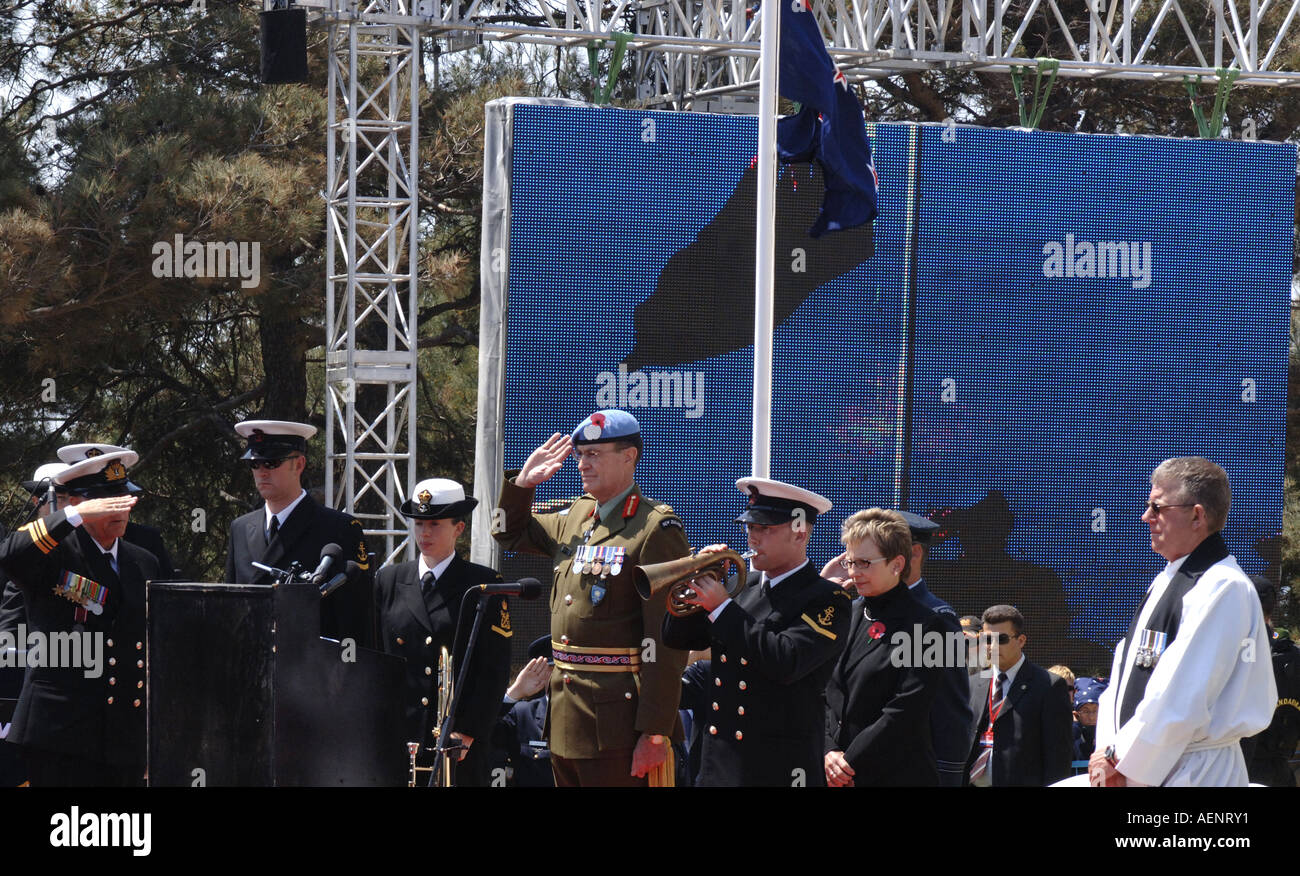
370	350
683	55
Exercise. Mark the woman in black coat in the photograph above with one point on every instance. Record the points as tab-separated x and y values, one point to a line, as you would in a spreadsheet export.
879	695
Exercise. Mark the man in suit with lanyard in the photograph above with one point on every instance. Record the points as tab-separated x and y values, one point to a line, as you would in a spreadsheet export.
84	725
420	608
291	527
1023	734
1192	677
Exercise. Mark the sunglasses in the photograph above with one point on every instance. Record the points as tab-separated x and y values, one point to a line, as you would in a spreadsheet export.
255	464
1001	638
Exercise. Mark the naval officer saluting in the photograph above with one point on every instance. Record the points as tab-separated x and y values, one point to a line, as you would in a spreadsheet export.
292	527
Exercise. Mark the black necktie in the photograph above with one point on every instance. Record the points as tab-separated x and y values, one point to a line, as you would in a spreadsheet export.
272	529
428	587
997	687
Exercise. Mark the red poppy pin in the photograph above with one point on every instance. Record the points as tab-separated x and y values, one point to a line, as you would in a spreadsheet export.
876	630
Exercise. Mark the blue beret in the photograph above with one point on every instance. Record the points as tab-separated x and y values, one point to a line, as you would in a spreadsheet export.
611	425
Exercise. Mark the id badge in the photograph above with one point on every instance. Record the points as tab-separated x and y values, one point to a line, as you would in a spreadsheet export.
986	740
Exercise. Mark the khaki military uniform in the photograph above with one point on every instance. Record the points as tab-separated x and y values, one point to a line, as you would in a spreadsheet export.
614	678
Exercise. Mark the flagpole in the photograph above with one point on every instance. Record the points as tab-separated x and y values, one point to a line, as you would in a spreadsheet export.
765	241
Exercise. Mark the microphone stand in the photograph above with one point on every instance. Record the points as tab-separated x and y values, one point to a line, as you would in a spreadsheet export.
441	759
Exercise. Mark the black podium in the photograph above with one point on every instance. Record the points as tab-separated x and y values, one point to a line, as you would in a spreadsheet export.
243	691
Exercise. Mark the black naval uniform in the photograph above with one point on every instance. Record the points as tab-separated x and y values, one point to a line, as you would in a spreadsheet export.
409	629
78	730
1268	753
347	612
773	650
877	713
12	610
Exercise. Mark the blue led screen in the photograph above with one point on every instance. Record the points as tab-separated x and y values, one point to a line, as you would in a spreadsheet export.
1033	322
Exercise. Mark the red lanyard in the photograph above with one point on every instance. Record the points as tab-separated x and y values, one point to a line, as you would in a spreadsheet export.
993	716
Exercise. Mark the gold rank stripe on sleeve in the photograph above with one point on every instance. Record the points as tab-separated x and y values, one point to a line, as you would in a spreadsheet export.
505	634
40	536
812	623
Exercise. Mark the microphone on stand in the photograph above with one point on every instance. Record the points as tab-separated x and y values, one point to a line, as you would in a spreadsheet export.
351	573
329	555
524	588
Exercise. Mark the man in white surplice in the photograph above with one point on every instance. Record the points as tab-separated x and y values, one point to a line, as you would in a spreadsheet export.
1193	676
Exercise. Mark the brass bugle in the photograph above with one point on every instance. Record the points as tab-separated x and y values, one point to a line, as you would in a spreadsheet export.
676	576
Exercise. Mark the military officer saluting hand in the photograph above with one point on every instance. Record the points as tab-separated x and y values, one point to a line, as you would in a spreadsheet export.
774	647
84	725
292	527
615	687
419	607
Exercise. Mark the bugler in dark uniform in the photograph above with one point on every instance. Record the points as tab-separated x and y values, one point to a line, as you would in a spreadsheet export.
773	648
419	608
85	724
293	528
615	688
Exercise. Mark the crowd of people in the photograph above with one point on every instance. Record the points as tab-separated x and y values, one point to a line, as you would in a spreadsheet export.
851	675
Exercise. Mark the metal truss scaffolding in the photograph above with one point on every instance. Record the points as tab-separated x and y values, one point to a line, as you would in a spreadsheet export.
683	54
371	344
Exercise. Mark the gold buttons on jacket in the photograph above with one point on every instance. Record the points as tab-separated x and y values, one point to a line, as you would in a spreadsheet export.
424	701
139	645
565	677
715	707
740	710
139	684
110	701
744	662
723	658
112	661
112	680
109	643
428	640
401	641
564	640
139	664
739	736
135	703
742	685
428	670
627	695
568	599
717	682
713	731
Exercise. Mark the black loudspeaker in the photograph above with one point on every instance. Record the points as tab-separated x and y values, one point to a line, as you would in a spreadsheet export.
284	46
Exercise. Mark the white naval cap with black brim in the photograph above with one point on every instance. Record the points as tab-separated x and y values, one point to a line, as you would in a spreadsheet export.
775	502
97	477
437	499
274	439
74	453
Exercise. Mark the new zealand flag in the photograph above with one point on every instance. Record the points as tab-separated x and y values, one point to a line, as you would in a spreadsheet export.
828	127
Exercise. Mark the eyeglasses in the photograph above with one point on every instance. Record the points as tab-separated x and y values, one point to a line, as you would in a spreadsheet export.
1000	638
865	564
255	464
1155	507
588	455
